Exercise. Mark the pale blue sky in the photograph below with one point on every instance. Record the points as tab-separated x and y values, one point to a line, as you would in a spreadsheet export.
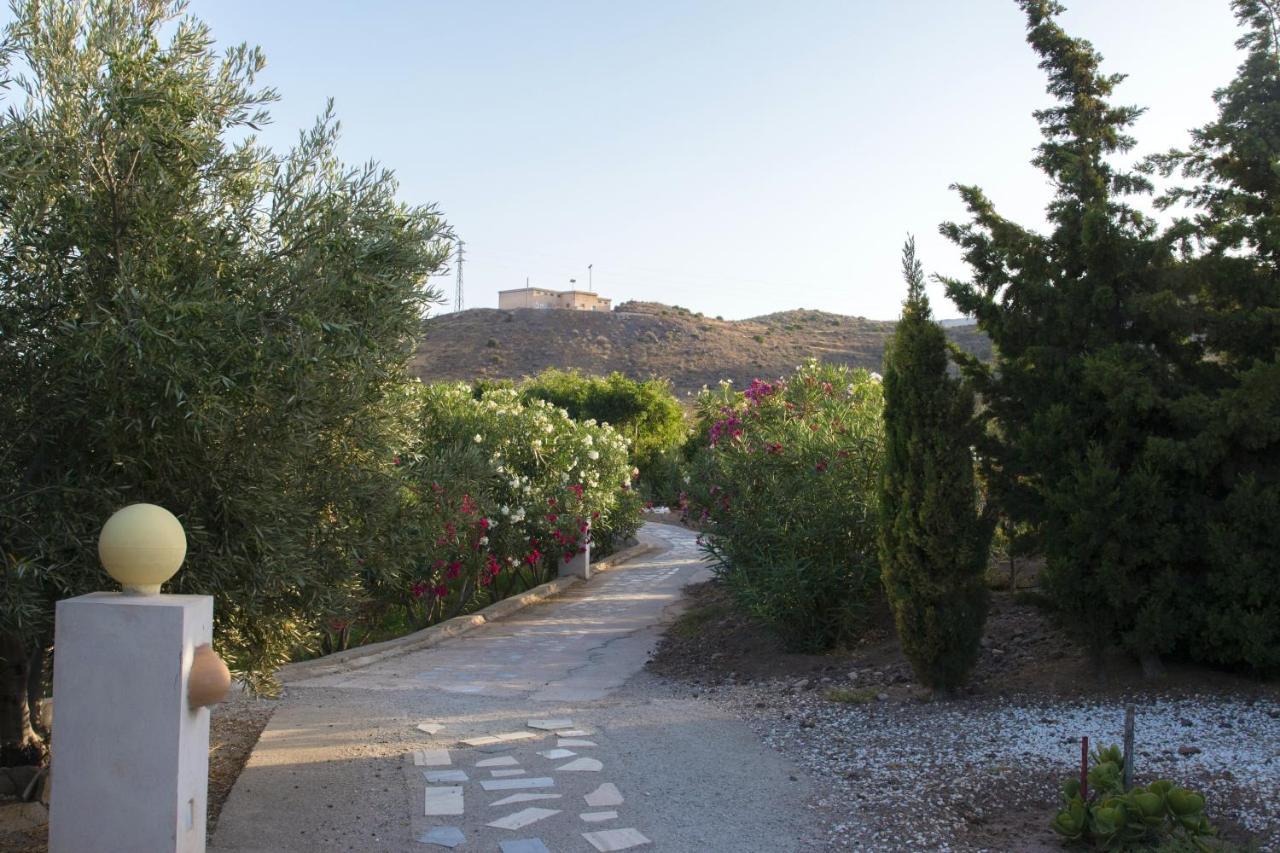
734	157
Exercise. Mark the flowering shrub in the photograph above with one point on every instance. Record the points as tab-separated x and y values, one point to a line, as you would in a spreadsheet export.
645	411
498	492
784	486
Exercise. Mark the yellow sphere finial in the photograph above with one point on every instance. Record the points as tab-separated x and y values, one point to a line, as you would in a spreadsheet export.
142	546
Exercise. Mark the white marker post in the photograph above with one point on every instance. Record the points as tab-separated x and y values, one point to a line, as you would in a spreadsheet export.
134	674
580	565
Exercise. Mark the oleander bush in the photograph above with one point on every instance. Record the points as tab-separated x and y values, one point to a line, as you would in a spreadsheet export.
645	411
784	483
496	492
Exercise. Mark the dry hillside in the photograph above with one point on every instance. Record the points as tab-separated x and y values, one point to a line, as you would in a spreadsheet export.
643	339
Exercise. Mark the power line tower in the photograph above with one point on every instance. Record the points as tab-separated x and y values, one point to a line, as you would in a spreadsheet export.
457	295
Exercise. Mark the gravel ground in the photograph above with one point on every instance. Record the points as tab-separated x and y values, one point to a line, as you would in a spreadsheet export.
983	774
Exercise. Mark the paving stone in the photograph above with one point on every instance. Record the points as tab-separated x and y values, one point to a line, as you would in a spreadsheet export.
606	795
596	817
524	845
609	840
499	774
573	733
573	741
550	725
431	758
516	784
525	798
430	728
504	761
505	737
444	836
494	748
557	753
522	818
444	775
444	801
588	765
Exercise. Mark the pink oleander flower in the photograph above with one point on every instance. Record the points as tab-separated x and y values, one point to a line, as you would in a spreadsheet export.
758	390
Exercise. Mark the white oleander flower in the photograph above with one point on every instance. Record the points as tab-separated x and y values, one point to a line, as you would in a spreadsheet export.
594	454
479	438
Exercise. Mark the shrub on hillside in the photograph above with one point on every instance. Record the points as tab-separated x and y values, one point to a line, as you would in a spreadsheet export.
784	482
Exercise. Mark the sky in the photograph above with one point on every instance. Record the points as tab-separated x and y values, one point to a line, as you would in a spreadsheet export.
734	157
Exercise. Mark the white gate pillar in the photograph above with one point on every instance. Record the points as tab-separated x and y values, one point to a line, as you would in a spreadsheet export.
134	674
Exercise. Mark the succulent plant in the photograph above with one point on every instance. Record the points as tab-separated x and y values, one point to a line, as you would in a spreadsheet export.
1114	819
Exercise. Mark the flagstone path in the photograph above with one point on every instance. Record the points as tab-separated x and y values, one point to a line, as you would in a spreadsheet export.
539	732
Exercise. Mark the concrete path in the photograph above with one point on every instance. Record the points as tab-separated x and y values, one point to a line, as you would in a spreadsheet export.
343	766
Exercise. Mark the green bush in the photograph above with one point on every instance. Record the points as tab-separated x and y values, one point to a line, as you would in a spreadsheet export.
191	319
645	411
530	477
495	493
934	541
784	483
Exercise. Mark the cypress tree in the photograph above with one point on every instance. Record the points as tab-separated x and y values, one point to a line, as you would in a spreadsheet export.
933	540
1092	387
1234	247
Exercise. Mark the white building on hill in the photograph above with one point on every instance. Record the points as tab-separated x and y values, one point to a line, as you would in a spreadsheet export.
537	297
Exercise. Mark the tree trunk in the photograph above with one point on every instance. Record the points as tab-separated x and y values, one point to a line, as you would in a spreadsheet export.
19	744
36	689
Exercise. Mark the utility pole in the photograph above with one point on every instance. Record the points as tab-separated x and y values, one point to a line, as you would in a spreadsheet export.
457	297
591	284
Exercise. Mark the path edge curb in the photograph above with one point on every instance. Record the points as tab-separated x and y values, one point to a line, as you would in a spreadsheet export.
363	656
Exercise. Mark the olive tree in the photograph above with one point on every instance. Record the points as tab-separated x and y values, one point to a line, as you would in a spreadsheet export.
190	318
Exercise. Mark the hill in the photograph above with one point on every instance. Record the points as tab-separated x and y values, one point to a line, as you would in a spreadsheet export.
643	339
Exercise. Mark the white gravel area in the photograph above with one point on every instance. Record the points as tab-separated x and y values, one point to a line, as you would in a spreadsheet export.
983	774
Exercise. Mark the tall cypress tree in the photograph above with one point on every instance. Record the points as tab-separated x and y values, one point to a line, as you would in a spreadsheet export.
933	540
1094	359
1235	267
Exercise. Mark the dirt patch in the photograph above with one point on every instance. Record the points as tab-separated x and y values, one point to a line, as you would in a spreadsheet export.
1023	653
234	729
23	827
